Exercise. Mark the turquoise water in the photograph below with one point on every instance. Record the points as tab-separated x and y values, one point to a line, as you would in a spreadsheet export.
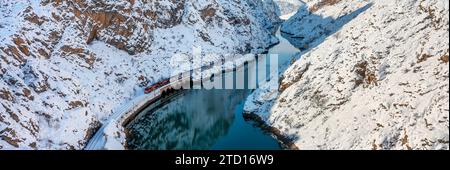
200	120
205	119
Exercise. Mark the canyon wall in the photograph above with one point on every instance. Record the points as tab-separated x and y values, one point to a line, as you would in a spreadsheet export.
371	75
65	66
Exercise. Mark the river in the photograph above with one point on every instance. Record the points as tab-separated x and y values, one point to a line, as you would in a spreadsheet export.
205	119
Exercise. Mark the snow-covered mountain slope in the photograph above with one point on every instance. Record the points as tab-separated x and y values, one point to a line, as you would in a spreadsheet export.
65	66
375	80
288	8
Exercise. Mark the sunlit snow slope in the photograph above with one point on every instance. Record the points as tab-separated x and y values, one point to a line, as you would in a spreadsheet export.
372	75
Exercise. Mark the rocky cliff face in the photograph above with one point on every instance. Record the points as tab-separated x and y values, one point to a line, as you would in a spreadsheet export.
372	75
65	66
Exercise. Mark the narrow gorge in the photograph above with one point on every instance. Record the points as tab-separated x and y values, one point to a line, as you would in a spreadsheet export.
353	75
67	66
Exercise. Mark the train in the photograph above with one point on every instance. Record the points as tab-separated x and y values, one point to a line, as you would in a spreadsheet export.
156	86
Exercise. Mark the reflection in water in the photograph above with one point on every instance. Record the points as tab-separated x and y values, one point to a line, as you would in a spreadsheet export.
199	120
206	119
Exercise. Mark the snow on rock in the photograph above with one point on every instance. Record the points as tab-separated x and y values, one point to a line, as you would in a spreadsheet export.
306	26
115	139
261	100
375	80
288	8
65	66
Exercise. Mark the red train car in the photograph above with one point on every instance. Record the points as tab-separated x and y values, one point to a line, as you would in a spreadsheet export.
156	86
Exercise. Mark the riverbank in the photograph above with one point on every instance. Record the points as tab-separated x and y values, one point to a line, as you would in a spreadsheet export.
112	135
371	77
286	53
67	66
